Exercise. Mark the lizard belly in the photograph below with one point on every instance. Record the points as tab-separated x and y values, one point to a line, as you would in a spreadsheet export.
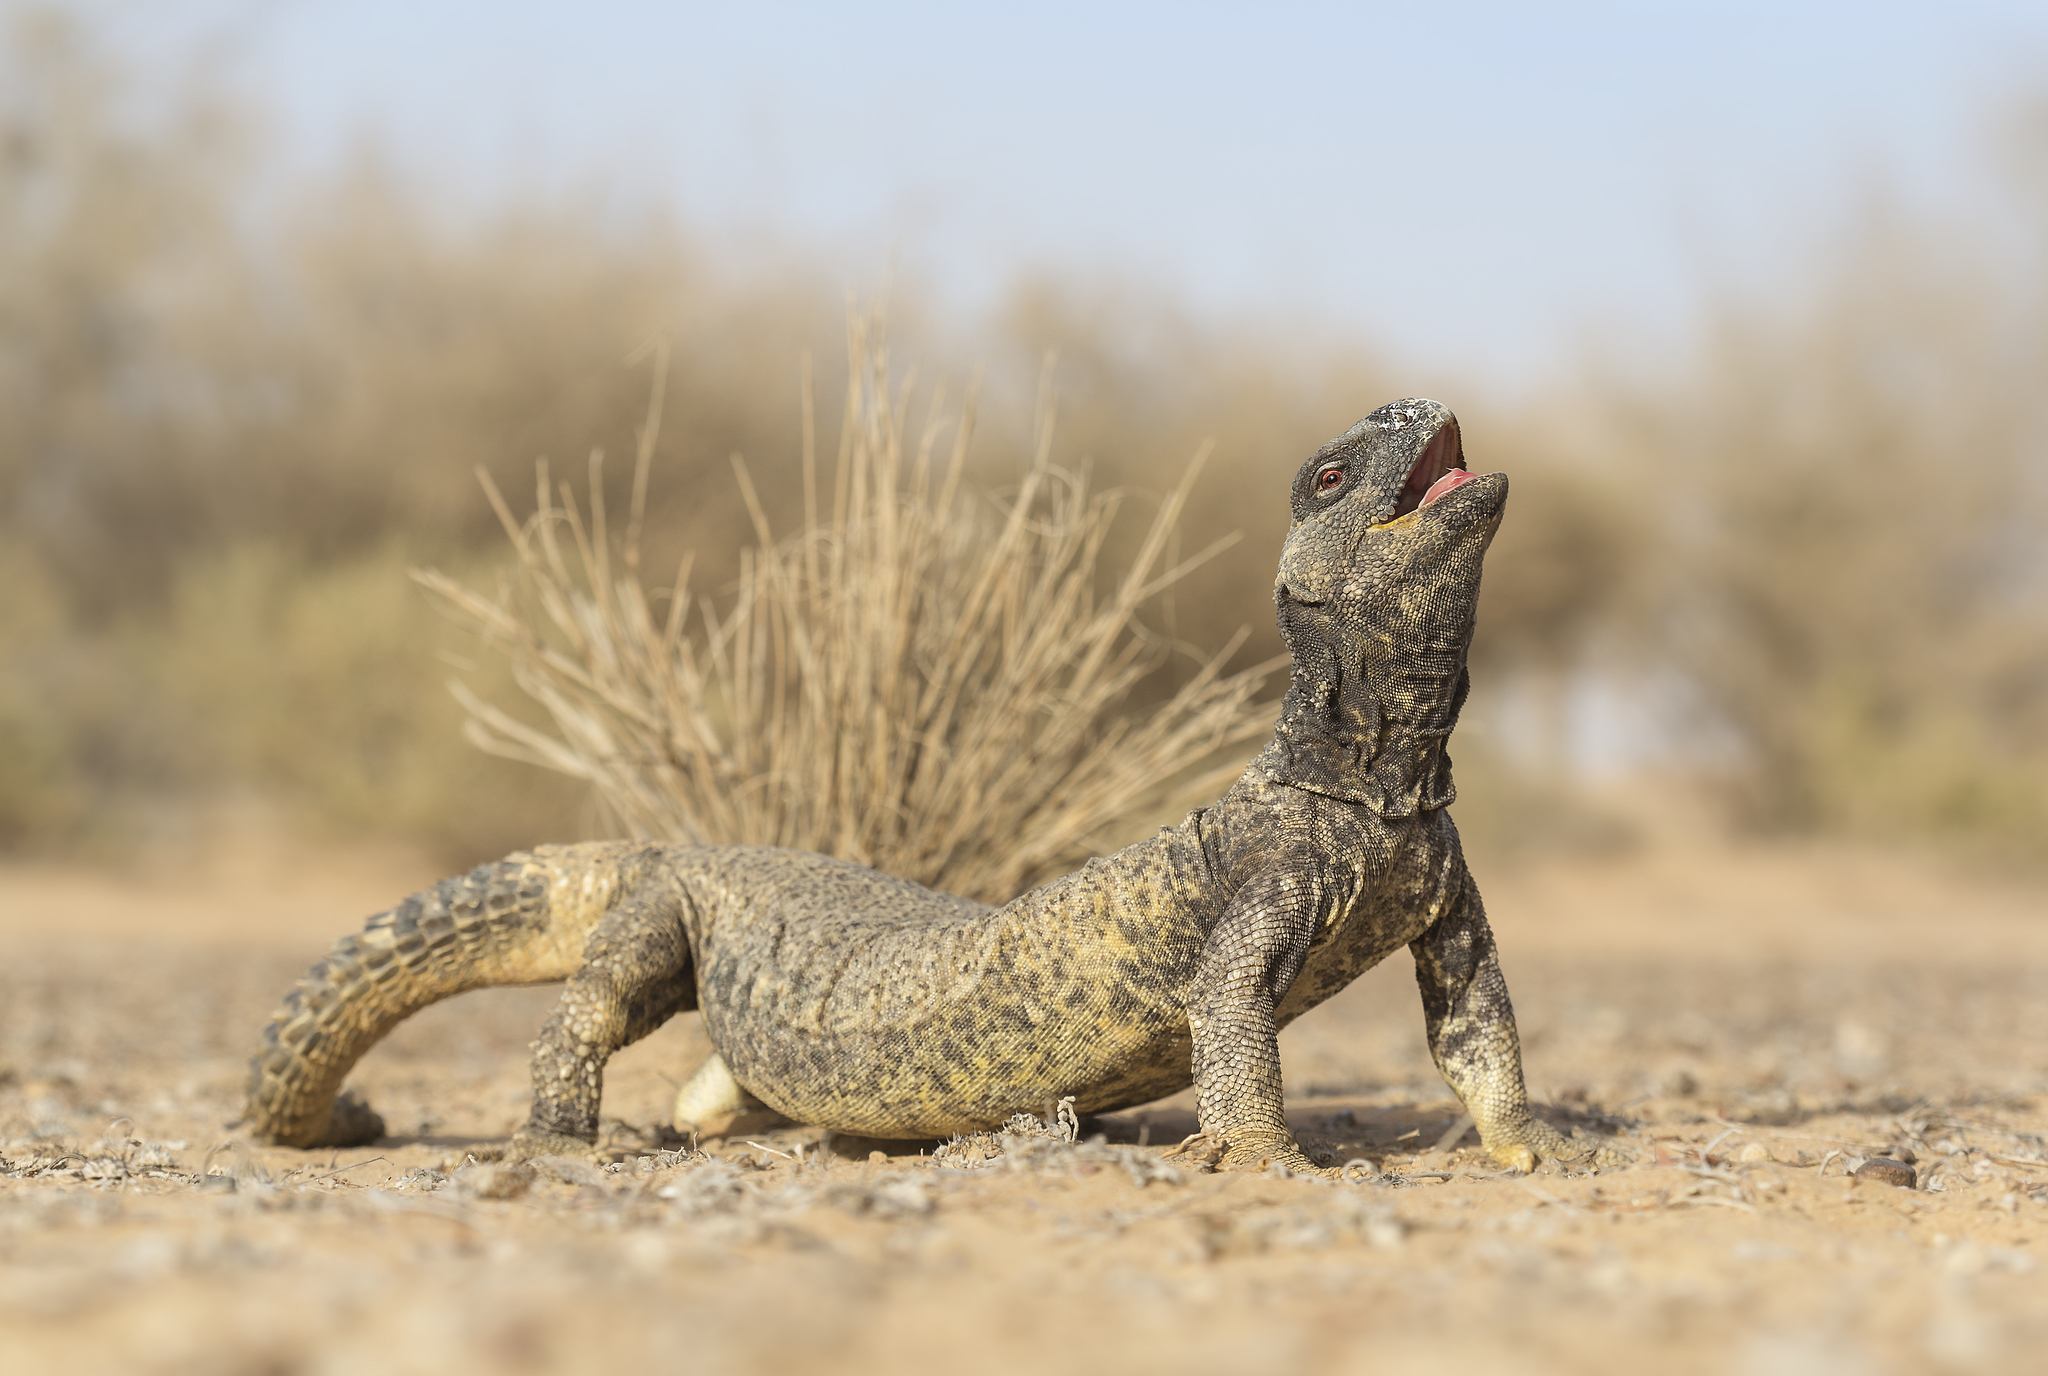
890	1011
935	1081
923	1033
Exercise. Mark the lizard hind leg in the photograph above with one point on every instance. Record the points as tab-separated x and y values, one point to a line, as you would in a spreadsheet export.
636	973
714	1104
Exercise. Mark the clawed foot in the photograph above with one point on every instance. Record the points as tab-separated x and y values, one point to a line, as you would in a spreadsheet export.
1250	1150
529	1143
1534	1142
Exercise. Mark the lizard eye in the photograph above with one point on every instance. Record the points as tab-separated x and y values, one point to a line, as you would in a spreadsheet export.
1330	478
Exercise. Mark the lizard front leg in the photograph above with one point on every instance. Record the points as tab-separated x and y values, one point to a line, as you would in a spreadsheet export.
1472	1036
636	975
1250	959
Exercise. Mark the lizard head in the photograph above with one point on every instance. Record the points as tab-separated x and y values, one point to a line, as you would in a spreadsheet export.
1390	527
1376	591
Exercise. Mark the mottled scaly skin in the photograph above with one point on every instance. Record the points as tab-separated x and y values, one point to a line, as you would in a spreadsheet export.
842	997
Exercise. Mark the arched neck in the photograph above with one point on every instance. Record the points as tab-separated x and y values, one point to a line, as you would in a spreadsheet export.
1372	731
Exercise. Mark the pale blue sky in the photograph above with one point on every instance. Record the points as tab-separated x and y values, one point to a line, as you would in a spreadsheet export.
1472	185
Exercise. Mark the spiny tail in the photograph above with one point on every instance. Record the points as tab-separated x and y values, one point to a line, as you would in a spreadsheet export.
512	922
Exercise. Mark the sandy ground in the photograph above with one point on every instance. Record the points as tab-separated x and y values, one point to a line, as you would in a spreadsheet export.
1752	1023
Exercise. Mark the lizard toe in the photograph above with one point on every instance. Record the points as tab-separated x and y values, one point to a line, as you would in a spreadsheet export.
1606	1154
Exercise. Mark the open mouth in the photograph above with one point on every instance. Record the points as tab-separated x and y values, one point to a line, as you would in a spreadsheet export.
1439	471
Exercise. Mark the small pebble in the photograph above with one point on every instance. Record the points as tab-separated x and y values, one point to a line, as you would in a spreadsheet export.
1883	1170
1754	1151
878	1156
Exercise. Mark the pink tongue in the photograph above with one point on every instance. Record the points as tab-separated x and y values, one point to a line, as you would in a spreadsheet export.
1449	482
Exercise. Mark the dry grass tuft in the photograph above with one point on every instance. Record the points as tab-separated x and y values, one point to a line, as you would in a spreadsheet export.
919	680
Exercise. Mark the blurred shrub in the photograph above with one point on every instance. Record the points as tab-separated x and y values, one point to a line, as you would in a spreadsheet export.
230	425
117	251
320	683
228	422
41	793
1851	575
